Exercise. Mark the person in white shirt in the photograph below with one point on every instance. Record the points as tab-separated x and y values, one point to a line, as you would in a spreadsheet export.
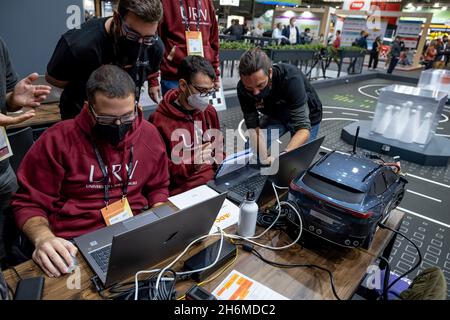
258	31
277	33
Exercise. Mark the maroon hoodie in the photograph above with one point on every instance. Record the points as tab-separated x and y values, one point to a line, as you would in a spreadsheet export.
60	178
172	32
167	118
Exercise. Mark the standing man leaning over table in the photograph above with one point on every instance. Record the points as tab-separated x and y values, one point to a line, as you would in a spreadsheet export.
14	95
81	171
128	40
283	96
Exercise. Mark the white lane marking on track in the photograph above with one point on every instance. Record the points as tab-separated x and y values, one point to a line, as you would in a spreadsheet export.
343	119
350	114
427	180
369	86
424	195
350	109
240	130
443	120
424	217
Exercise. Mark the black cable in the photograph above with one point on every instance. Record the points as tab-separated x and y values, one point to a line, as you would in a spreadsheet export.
387	275
282	265
415	246
126	291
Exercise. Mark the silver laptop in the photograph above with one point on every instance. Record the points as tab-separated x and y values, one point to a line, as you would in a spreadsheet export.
238	179
119	251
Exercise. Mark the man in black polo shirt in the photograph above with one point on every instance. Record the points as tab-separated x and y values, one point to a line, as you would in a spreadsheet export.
283	96
128	39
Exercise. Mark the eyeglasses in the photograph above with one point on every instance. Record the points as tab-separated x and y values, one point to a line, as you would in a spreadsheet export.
204	92
132	35
107	120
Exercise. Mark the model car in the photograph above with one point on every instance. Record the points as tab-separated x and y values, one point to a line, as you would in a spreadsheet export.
343	197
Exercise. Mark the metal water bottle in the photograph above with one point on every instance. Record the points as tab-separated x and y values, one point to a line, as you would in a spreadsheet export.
248	212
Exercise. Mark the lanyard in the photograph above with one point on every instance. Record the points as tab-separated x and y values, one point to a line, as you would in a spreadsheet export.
106	176
184	14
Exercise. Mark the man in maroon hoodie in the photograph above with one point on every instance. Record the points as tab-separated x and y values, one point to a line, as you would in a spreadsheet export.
62	178
185	117
182	19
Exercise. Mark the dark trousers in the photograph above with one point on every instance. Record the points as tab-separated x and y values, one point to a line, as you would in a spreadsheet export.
392	64
374	59
5	218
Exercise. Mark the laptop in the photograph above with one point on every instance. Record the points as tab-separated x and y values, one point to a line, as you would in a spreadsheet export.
237	177
119	251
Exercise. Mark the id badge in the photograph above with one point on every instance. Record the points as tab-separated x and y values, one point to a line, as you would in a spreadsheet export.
5	147
194	43
117	212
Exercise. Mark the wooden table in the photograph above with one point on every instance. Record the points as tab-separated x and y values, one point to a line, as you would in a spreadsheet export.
46	115
348	266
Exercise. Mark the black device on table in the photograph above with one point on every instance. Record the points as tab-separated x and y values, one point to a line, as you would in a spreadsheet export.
199	293
241	178
207	256
30	289
120	250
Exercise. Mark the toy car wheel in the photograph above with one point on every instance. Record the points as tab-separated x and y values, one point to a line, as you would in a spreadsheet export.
368	241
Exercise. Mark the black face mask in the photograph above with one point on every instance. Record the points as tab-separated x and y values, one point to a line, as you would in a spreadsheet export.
133	57
112	133
264	93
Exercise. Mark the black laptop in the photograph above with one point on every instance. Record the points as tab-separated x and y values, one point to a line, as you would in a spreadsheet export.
119	251
237	176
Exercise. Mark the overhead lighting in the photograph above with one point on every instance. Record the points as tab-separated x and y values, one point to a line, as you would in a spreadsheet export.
444	9
419	8
337	7
436	5
409	5
309	6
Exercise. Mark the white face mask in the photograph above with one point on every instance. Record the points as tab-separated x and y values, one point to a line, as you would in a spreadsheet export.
198	102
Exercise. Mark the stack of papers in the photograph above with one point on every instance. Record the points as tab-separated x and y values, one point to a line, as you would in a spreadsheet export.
228	214
239	287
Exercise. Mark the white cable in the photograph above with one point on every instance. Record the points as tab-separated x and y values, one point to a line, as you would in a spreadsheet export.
278	216
249	239
222	235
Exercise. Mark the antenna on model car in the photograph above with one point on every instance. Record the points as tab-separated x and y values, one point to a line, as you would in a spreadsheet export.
355	142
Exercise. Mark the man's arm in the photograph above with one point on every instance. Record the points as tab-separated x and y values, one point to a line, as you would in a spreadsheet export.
298	111
299	139
52	254
55	82
39	191
258	142
62	65
25	94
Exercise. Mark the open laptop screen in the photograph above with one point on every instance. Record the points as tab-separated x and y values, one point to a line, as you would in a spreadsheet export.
234	162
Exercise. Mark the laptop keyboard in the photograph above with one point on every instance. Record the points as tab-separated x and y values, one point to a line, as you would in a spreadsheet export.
255	184
101	256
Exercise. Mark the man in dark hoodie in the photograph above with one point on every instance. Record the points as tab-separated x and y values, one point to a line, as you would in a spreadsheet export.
186	117
182	20
107	157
